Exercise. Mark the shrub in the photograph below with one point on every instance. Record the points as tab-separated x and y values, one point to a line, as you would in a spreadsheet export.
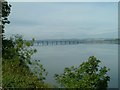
88	75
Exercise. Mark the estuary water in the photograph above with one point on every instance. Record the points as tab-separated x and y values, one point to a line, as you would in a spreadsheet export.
56	57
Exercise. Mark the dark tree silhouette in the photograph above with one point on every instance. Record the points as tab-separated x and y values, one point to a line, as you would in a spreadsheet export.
6	8
5	11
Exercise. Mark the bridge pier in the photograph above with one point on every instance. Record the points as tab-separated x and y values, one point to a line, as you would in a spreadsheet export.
60	42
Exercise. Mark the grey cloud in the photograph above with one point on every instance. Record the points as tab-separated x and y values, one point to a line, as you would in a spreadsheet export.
24	23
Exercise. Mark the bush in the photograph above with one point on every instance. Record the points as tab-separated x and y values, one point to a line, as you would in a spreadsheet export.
16	47
16	61
88	75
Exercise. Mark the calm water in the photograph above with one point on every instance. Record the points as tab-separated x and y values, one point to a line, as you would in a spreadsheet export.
56	58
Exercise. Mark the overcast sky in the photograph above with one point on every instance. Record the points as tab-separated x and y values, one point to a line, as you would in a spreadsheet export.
63	20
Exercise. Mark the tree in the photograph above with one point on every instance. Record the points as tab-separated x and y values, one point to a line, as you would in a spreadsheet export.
19	48
18	58
88	75
5	13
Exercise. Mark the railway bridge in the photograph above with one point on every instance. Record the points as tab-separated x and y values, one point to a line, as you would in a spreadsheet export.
57	42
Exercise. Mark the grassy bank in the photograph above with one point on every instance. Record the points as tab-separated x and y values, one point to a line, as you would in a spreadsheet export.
19	76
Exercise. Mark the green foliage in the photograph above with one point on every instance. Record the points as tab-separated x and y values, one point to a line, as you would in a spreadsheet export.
88	75
6	8
15	76
4	13
39	70
18	53
17	47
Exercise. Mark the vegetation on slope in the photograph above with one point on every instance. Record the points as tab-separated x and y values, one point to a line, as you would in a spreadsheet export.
19	76
87	76
16	72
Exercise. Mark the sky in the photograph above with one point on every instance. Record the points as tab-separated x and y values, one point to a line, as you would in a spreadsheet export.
63	20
